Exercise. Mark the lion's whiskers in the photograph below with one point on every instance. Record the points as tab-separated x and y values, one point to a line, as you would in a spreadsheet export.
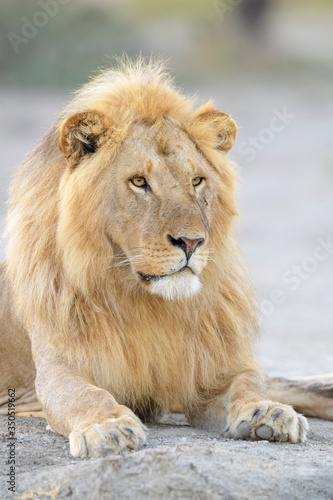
136	259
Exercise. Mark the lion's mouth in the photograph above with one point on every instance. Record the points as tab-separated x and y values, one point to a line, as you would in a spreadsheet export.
149	277
156	277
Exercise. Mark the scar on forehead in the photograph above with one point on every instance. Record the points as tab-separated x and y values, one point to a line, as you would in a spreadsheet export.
192	163
149	165
162	144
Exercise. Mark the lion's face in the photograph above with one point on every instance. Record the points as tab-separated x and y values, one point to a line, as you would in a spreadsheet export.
159	207
159	193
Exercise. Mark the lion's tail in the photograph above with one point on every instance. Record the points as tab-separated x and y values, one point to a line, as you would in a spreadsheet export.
312	396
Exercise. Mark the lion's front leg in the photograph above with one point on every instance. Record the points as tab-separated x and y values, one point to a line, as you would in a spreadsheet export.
95	423
245	412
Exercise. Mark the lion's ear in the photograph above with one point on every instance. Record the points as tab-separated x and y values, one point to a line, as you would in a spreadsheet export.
221	124
81	134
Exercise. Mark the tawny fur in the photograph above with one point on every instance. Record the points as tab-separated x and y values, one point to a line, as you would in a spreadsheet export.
73	304
75	226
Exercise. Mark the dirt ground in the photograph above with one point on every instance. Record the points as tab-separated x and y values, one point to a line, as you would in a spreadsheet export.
179	462
287	204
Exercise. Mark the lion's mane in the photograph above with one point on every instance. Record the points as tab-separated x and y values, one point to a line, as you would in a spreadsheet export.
59	260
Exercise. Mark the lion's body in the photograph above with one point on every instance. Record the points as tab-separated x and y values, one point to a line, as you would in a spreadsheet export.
88	261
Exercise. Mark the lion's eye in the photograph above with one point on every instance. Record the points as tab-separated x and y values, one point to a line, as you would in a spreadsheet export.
139	182
196	181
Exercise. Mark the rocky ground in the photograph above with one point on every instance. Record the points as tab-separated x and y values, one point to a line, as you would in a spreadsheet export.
287	204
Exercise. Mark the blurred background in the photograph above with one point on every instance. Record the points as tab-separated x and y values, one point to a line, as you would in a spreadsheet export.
267	62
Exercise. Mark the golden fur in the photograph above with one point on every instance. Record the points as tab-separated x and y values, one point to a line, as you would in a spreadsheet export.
97	275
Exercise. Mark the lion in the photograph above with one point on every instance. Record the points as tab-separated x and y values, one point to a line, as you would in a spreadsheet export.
124	295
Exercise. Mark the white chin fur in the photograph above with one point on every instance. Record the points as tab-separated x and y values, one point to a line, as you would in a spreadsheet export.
176	286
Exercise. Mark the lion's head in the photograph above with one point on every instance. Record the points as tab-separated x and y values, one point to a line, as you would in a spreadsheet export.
157	194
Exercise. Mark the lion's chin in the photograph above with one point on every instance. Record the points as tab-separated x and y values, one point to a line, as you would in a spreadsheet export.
180	285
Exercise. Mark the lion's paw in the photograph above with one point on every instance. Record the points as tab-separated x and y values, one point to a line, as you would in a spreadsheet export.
269	421
112	435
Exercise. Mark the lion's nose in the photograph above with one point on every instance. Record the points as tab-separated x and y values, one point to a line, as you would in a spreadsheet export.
186	244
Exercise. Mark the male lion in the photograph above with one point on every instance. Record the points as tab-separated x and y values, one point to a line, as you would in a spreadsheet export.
125	281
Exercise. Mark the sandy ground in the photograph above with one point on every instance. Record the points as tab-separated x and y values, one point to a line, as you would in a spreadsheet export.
179	462
287	205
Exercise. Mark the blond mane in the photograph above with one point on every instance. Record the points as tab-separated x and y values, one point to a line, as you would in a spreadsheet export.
62	275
